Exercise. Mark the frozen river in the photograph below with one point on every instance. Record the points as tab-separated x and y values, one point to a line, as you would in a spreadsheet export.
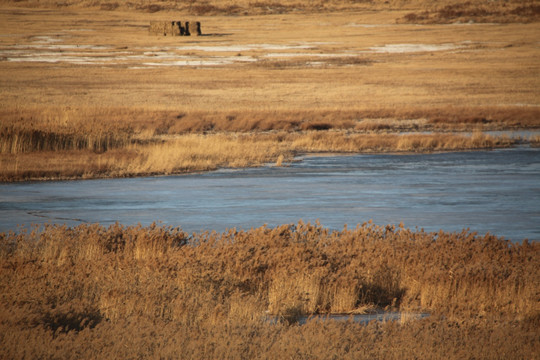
487	191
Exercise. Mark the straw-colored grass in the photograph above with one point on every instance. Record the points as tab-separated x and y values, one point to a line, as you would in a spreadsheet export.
316	79
477	11
535	141
142	124
447	11
198	152
125	292
134	292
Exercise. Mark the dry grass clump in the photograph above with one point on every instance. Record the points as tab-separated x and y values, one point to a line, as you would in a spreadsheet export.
351	142
24	141
478	11
187	153
205	152
83	121
154	291
535	141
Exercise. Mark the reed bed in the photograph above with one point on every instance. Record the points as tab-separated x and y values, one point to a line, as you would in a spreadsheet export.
164	155
18	142
93	291
66	142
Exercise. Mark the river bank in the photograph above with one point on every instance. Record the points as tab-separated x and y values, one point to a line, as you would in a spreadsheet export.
192	153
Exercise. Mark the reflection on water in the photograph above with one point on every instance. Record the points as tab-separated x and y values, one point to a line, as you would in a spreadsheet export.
364	319
486	191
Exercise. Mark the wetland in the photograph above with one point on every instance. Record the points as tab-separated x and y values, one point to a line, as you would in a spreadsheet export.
363	162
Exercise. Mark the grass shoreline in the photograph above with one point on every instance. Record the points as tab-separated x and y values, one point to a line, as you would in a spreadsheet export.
193	153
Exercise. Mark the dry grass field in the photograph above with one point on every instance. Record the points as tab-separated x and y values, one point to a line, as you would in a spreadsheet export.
86	91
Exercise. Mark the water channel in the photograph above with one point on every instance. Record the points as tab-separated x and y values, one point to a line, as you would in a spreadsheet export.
487	191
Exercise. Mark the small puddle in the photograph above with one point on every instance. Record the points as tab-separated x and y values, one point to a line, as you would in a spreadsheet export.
515	134
363	319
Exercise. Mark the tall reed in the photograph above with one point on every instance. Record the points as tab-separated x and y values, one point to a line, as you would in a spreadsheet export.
133	291
199	152
25	141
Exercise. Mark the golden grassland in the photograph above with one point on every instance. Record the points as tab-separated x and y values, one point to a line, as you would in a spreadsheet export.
156	292
77	99
430	10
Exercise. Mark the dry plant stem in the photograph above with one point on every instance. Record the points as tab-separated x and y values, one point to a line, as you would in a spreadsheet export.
155	291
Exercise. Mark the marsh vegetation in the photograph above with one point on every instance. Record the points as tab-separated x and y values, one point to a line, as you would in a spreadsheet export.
158	292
